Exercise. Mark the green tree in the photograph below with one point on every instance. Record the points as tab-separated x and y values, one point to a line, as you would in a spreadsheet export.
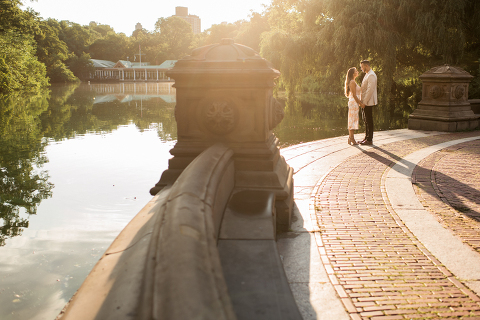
290	44
217	32
101	29
78	38
53	52
60	73
148	43
155	50
19	68
199	40
49	47
250	32
175	35
111	47
139	32
81	66
12	17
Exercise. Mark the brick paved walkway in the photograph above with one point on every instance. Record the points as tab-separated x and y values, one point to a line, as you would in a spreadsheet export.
378	267
448	185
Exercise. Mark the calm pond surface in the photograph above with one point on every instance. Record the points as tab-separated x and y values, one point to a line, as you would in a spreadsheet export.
76	165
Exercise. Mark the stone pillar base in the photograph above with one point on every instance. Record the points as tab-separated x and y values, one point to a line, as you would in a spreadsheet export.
258	166
444	105
438	125
279	182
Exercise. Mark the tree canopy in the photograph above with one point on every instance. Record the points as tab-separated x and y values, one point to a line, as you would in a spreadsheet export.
175	37
321	39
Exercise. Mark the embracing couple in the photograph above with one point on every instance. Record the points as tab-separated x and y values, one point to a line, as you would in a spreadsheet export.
364	97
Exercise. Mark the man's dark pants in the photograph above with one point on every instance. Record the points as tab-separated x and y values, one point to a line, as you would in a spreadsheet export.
368	119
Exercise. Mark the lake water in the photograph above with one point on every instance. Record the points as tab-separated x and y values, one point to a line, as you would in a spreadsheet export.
76	165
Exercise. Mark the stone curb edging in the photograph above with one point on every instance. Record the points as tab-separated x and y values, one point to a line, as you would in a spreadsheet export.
456	256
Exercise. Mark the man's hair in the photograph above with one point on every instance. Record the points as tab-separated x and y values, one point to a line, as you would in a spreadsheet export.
365	62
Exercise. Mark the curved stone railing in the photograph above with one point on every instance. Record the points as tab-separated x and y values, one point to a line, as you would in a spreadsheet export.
165	264
184	278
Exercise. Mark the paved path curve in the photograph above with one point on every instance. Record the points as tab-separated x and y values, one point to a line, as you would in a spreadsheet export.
448	185
376	238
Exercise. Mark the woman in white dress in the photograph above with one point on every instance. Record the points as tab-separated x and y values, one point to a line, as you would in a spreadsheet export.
353	92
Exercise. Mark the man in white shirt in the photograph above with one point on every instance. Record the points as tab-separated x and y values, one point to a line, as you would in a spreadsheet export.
369	100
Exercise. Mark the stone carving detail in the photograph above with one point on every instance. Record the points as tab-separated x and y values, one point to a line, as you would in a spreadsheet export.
459	92
219	117
435	92
276	113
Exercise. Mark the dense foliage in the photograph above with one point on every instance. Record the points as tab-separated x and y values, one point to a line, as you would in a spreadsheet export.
318	40
19	67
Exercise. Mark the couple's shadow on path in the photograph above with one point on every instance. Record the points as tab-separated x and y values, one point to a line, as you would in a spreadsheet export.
458	192
302	266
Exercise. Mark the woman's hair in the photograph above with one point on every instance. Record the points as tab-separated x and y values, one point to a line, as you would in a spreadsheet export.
348	78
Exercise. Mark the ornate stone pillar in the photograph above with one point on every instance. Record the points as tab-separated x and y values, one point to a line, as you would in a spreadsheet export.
224	94
444	105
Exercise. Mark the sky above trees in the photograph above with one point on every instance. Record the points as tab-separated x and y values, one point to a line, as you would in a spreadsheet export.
122	16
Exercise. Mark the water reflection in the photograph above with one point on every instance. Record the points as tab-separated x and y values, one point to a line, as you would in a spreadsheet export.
23	182
126	92
102	108
29	122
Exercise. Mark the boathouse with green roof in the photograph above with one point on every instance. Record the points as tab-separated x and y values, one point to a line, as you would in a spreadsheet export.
128	71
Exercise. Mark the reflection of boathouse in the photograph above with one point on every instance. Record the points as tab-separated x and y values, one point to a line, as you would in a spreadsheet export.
130	71
125	92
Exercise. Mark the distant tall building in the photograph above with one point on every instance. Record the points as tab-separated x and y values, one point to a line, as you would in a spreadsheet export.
195	22
181	11
138	26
